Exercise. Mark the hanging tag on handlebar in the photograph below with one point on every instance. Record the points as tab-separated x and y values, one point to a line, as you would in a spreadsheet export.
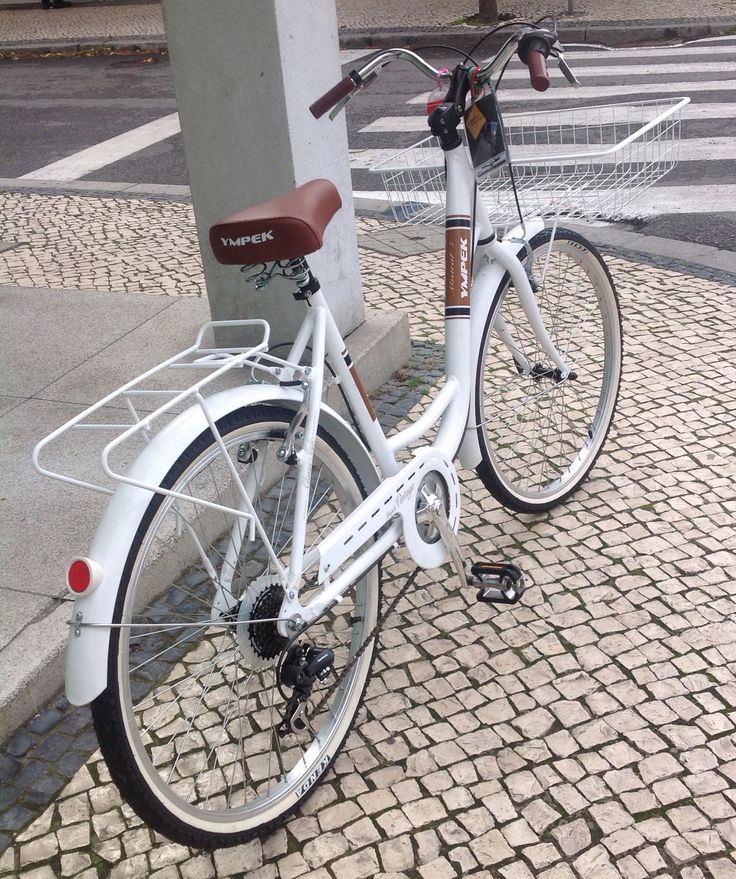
484	130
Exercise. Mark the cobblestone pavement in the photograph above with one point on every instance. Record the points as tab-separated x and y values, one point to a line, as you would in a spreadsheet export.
384	13
588	733
110	21
81	22
80	243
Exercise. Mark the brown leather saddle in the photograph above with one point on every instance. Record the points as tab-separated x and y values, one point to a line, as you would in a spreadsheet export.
286	227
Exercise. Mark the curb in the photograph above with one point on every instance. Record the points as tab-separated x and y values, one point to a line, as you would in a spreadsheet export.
33	4
170	191
151	44
640	33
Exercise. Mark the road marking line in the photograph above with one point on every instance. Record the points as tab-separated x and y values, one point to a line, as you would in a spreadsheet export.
388	124
585	73
657	200
696	149
650	89
670	53
98	156
705	199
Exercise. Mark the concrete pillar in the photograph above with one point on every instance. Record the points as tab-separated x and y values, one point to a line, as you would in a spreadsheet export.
245	73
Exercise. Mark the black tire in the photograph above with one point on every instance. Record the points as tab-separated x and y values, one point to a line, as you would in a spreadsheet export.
155	665
568	420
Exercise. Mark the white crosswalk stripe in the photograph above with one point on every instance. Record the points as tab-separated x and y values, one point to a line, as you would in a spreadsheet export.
99	156
560	92
609	71
659	200
419	123
705	71
692	150
701	49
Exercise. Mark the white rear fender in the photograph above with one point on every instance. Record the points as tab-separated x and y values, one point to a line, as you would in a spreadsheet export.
87	653
487	278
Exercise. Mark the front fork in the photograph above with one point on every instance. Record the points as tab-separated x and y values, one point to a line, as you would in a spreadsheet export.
506	254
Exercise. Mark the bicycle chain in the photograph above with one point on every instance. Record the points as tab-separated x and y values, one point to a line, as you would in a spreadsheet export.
369	638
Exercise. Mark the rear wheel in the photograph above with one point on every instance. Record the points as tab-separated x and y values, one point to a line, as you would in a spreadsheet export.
195	722
540	434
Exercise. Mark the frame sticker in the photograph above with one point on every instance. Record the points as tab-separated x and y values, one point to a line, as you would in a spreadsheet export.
457	265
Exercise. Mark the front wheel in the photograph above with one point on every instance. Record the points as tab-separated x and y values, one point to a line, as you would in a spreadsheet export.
540	433
196	725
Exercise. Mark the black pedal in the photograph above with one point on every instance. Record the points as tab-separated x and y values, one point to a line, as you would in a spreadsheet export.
500	582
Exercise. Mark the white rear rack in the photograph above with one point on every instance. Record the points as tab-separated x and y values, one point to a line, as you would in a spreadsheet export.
142	424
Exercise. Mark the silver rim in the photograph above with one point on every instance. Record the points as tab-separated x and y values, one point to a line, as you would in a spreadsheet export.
542	434
200	702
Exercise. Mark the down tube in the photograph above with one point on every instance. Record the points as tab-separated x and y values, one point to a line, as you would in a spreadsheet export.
458	278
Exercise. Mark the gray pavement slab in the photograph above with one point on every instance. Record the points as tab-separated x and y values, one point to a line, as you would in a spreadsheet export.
7	403
67	331
65	349
171	328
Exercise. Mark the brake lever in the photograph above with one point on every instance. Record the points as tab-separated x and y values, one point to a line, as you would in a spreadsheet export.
569	75
341	104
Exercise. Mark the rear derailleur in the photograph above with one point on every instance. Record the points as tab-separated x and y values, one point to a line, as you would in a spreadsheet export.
302	667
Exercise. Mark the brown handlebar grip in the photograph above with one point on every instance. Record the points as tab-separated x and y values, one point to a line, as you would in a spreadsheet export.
537	64
335	94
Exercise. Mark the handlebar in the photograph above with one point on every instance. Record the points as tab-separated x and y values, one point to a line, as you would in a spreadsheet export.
539	44
335	98
537	64
533	51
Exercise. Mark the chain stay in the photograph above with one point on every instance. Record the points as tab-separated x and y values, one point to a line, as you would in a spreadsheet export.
369	638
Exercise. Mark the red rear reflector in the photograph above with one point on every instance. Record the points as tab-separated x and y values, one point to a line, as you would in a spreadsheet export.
79	576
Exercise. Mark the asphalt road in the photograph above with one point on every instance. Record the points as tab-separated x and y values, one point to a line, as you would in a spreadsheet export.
55	107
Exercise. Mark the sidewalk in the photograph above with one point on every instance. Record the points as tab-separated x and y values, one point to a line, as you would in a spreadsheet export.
591	726
380	22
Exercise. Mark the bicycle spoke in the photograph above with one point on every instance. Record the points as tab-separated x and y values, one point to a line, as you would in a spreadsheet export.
207	706
537	440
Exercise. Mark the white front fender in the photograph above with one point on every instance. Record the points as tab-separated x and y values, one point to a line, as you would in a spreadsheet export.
87	653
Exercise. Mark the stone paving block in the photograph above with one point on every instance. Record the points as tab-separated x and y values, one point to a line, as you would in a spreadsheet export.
439	868
573	837
428	846
199	867
541	855
490	848
722	868
397	854
679	850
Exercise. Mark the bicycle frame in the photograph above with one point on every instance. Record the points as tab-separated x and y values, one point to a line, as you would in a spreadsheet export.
471	293
476	265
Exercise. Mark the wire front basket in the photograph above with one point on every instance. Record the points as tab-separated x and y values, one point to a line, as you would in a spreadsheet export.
584	162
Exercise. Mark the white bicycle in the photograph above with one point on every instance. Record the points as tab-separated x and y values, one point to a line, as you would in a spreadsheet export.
226	613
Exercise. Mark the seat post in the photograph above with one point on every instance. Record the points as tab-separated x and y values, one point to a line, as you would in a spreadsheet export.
307	283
